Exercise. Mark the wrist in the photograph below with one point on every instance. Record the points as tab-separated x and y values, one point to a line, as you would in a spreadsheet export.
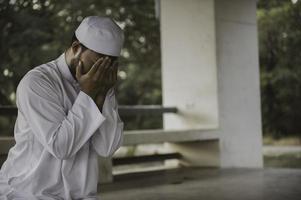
89	94
99	100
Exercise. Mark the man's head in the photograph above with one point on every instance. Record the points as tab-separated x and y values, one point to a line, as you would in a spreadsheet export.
94	38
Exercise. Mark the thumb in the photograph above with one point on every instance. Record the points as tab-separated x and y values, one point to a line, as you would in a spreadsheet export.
79	70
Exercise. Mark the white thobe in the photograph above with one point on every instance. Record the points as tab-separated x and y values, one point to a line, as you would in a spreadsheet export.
59	133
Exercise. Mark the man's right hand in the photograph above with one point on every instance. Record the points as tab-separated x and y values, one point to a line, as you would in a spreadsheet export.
89	82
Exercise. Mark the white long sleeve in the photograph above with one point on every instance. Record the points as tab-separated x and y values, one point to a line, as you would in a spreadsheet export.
109	136
62	134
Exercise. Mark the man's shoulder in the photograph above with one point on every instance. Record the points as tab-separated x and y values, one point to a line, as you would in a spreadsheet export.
48	69
40	81
44	73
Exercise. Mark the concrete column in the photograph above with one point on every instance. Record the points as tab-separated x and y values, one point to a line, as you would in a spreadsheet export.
189	75
202	38
189	63
238	84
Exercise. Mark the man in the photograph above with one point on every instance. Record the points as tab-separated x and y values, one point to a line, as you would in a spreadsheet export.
67	116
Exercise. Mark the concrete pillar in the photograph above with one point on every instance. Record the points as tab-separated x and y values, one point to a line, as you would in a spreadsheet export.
238	84
189	77
206	45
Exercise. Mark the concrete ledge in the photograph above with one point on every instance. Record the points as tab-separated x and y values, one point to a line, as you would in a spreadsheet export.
143	137
160	136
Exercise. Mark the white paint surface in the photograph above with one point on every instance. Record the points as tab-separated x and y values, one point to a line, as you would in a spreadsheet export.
189	63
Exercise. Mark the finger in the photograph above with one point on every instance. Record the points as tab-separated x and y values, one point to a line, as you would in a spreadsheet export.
108	64
102	68
103	77
79	70
107	74
111	75
105	61
114	71
99	73
115	74
116	63
106	78
95	67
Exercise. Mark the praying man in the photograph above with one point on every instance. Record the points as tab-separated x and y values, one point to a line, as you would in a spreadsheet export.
67	117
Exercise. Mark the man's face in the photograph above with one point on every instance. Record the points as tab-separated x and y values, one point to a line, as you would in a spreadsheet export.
89	57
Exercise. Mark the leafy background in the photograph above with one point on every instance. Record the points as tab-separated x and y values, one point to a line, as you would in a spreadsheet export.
279	25
35	31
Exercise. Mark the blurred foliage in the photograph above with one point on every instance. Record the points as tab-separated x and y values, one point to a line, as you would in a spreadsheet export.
34	32
279	25
285	160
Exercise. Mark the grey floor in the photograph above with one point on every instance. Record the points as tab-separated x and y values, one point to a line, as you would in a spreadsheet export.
206	184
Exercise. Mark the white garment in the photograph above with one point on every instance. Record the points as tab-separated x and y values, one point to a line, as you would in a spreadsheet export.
59	134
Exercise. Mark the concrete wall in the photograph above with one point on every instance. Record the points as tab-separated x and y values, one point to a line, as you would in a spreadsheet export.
189	63
198	37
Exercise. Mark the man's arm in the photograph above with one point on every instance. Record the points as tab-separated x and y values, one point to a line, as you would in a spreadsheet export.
109	136
99	83
62	134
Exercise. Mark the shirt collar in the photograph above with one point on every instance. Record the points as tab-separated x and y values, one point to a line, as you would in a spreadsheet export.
64	69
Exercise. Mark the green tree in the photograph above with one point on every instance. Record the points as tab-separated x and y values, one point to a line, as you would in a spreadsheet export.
279	25
36	31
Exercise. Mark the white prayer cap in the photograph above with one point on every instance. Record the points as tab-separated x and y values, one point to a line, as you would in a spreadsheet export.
100	34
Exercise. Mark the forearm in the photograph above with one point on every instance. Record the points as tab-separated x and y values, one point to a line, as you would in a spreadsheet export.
109	136
100	99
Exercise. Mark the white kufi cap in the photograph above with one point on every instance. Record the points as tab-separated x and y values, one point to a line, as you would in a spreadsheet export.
100	34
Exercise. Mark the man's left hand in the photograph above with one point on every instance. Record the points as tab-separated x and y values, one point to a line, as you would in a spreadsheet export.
109	80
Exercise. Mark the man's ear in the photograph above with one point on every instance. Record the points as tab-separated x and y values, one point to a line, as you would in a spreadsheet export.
76	49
